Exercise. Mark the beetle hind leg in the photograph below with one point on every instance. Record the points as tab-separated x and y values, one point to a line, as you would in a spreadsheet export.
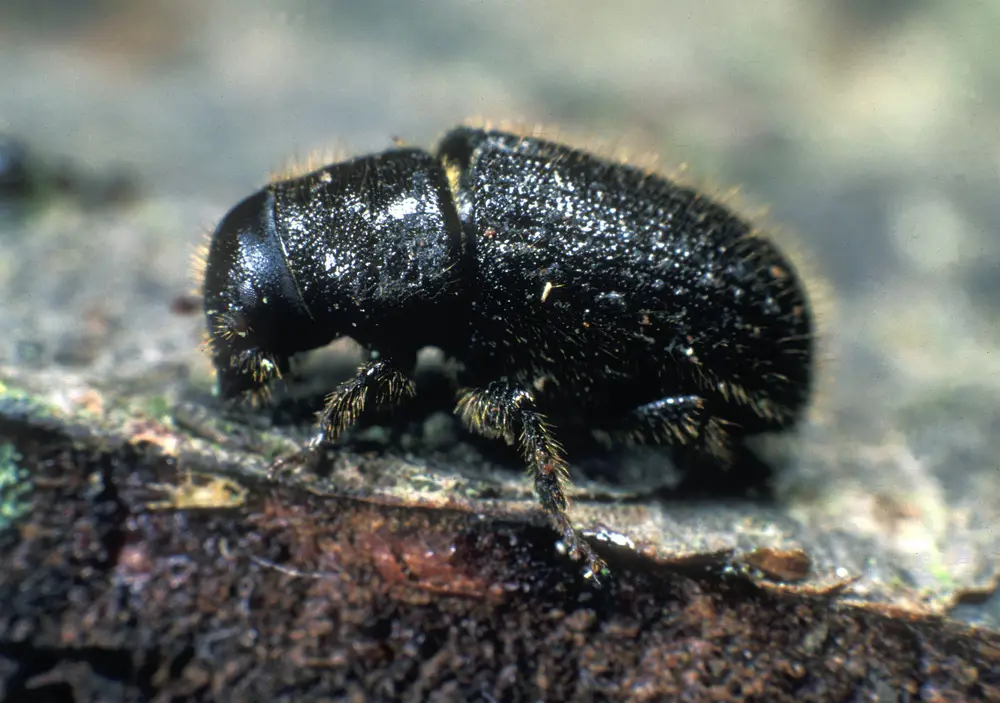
681	421
504	409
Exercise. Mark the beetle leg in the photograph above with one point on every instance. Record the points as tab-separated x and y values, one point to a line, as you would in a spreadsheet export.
379	380
504	409
678	420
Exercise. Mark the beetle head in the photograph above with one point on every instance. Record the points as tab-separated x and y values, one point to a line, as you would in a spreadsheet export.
251	304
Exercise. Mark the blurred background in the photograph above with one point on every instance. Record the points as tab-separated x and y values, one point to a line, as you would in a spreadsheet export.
871	131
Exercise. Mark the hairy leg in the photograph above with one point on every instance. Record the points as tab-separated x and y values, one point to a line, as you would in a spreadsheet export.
682	421
506	410
380	381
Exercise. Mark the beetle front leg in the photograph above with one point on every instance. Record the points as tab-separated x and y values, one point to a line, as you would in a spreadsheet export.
380	380
504	409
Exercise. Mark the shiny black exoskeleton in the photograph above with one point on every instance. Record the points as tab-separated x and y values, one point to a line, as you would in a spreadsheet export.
575	290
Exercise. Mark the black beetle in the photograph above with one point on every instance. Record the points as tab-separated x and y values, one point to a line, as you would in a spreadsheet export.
573	289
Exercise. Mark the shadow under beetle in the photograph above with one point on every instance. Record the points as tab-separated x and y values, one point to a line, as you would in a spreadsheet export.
574	290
